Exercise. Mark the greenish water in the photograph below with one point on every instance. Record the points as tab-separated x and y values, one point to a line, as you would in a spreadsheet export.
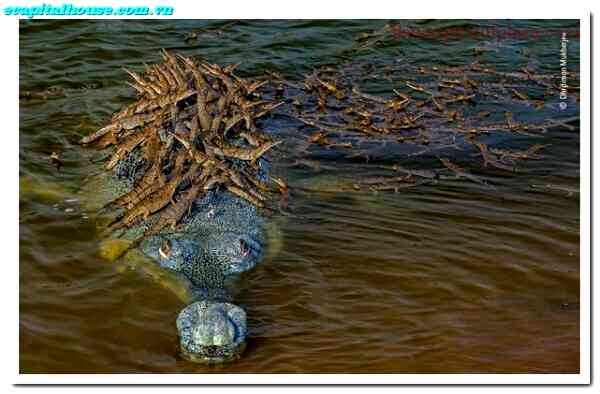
449	278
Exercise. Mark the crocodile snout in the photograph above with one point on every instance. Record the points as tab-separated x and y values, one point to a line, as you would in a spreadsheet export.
212	332
214	327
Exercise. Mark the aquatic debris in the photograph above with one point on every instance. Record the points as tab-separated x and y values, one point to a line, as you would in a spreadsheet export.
193	127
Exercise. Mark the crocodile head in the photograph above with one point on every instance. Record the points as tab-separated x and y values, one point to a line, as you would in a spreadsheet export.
209	254
205	259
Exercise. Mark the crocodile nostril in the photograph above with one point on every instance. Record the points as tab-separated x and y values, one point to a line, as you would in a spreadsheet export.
165	249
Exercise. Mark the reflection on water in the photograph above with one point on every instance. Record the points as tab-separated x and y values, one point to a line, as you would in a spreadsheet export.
455	277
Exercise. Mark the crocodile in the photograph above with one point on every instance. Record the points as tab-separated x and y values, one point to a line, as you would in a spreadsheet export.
189	187
221	237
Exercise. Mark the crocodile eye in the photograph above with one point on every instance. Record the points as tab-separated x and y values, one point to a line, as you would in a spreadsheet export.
244	248
165	249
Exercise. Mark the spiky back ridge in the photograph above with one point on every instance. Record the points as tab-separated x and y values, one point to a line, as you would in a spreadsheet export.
189	123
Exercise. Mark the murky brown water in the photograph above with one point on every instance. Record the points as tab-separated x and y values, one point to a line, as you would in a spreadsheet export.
449	278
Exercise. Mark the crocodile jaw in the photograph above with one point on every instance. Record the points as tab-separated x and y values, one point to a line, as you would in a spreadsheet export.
212	332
